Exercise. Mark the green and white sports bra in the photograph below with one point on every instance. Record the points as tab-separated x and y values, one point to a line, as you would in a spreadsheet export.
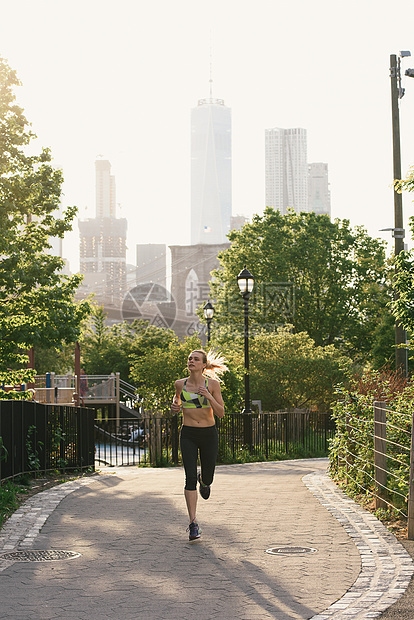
193	401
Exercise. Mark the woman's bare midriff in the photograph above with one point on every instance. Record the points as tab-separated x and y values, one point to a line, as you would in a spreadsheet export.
198	417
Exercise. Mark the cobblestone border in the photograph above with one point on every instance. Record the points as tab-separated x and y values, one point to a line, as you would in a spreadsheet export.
387	567
22	527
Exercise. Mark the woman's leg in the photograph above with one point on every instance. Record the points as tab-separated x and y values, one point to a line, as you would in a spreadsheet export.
191	501
208	454
189	453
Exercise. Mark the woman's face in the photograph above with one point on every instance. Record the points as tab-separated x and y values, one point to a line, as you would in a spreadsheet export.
195	361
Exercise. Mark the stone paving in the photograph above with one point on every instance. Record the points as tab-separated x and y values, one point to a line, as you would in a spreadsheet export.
128	525
24	525
386	567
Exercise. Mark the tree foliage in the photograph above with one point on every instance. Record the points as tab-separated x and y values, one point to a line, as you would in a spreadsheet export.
403	304
321	276
15	379
36	300
289	371
59	360
111	349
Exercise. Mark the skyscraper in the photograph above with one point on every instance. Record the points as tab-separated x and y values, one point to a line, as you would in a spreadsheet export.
103	243
319	196
105	192
286	167
210	171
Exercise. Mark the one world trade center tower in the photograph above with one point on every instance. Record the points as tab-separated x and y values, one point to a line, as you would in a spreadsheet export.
210	171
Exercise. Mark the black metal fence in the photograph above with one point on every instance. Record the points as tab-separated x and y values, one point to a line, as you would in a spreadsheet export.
274	435
154	439
38	438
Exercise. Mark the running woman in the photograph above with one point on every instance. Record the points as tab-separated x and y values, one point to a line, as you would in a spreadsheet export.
199	395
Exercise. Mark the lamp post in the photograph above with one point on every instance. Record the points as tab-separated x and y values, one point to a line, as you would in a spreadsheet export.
208	315
245	280
397	92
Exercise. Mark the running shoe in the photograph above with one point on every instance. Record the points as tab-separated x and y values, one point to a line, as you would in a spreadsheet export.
194	530
203	488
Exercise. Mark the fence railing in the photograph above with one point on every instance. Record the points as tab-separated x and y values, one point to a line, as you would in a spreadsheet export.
375	454
271	435
51	388
38	438
154	438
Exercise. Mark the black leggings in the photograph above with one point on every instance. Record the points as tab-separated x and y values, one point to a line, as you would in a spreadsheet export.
192	440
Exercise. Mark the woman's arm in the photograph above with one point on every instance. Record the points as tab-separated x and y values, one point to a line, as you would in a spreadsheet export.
213	395
176	403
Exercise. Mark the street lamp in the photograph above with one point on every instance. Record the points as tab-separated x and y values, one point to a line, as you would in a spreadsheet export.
397	92
245	280
208	315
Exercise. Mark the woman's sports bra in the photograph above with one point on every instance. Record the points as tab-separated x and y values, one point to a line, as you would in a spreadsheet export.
193	401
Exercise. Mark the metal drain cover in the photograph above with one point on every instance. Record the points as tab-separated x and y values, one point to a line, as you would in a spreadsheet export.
38	556
290	550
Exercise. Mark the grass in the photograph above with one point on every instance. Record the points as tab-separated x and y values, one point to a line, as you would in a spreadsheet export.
10	499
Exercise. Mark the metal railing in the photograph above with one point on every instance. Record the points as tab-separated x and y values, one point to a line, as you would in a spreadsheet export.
376	456
154	438
38	438
99	387
272	435
51	388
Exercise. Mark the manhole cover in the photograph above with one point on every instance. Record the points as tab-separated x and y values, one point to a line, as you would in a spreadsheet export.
38	556
289	550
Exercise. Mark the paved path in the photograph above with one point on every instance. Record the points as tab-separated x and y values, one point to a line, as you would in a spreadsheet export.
128	525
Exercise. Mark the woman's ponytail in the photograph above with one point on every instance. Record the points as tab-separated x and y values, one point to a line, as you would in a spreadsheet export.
216	365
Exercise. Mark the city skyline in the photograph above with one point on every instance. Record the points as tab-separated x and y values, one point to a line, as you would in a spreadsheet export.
125	91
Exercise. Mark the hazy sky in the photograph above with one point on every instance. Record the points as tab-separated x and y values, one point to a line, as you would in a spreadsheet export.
119	79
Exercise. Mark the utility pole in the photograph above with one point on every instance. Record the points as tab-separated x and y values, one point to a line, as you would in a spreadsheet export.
398	232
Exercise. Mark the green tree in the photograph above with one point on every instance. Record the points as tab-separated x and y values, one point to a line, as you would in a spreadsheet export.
97	345
403	304
382	353
289	371
107	349
12	378
58	360
321	276
36	300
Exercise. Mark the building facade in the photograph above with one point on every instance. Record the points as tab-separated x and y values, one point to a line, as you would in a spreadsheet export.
319	195
286	169
105	190
103	244
211	189
191	267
